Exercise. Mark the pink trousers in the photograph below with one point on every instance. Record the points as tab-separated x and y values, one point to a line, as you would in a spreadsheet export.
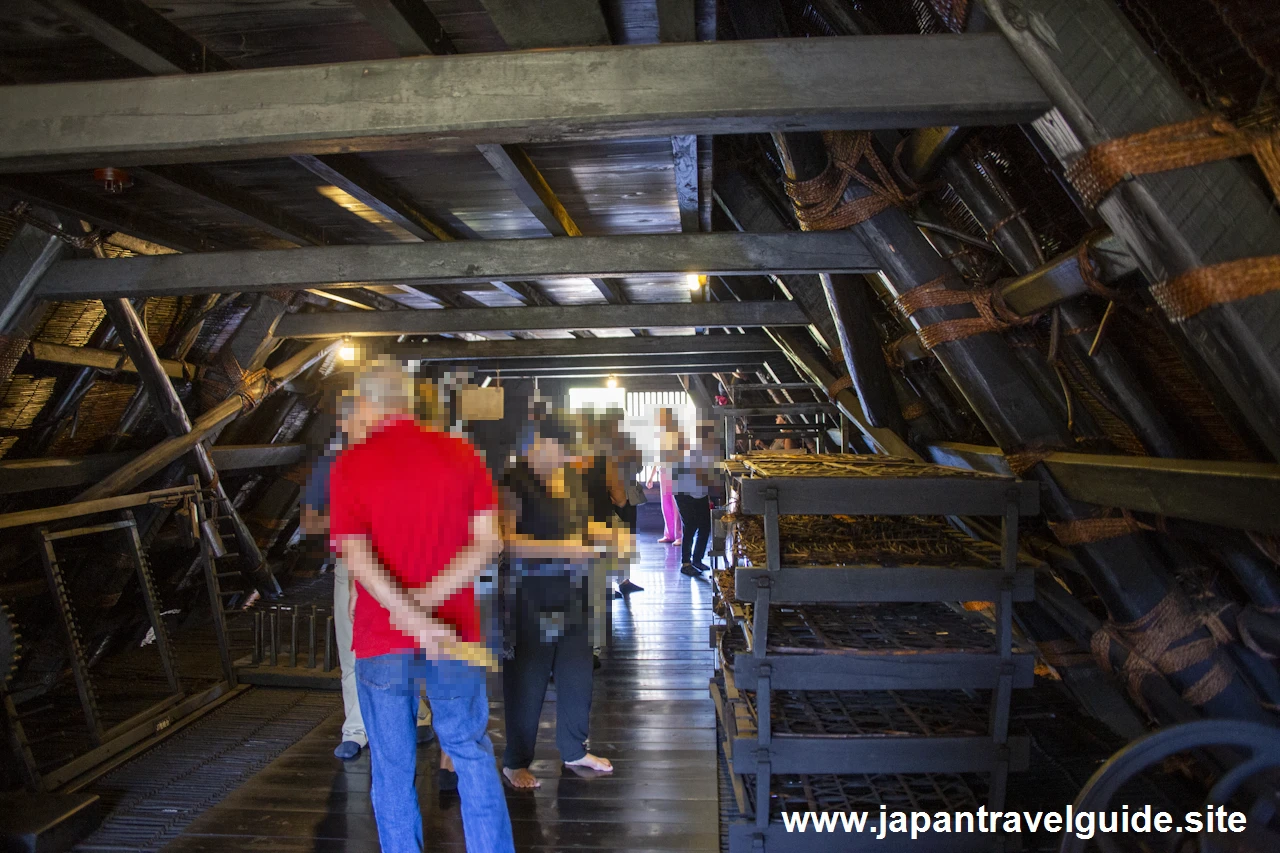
670	515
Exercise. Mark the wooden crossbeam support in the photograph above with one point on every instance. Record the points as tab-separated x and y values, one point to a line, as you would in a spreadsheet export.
563	23
622	365
458	262
164	396
93	209
409	25
31	475
677	23
666	315
815	84
170	450
27	256
135	31
518	172
351	175
104	359
242	205
570	350
414	31
1239	495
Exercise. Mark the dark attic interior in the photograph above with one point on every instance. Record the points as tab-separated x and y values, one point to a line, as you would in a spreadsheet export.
972	308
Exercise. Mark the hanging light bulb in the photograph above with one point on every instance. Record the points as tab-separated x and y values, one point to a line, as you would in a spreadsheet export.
612	382
347	352
694	281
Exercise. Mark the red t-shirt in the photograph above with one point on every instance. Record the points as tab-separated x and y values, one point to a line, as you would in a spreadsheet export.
413	493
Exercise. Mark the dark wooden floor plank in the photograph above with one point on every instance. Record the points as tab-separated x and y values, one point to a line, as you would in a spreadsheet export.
651	716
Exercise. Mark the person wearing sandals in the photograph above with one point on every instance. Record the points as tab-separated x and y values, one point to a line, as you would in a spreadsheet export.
669	447
549	546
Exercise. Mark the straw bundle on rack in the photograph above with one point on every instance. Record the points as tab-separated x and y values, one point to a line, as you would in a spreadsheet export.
765	464
725	583
842	540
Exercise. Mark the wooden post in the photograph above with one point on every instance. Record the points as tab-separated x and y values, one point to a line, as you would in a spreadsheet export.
154	378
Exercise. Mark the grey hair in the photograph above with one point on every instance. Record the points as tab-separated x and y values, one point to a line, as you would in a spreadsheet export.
387	384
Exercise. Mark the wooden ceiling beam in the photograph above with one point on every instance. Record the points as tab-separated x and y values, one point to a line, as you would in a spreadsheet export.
571	350
665	315
550	23
96	210
30	475
414	31
727	362
867	82
409	25
460	262
132	29
242	205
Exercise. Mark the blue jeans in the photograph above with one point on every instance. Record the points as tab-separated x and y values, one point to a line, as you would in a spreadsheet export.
388	686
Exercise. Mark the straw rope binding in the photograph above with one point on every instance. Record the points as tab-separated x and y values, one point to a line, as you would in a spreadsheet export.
1192	292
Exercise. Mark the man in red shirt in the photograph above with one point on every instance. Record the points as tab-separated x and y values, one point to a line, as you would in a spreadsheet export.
413	512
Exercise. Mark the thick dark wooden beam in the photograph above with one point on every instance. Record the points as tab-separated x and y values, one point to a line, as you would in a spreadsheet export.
1105	82
684	156
743	87
96	211
103	359
354	177
619	364
140	34
151	372
519	173
1240	495
241	205
27	256
461	262
552	23
31	475
667	315
132	29
414	31
408	25
677	22
570	350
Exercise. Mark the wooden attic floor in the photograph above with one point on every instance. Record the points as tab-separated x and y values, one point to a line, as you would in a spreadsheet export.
651	715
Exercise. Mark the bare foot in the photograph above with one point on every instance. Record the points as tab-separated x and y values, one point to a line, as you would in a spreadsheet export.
521	778
592	762
446	763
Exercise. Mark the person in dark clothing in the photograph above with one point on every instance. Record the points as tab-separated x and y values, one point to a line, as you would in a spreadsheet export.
549	545
693	478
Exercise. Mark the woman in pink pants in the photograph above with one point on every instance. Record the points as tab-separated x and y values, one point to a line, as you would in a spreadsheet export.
671	529
668	449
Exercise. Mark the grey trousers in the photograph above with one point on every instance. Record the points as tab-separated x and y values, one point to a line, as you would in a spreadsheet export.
525	678
353	724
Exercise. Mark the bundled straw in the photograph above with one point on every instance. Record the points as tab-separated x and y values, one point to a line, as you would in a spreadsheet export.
839	540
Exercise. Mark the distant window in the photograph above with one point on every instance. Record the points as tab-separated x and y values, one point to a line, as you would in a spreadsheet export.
581	399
